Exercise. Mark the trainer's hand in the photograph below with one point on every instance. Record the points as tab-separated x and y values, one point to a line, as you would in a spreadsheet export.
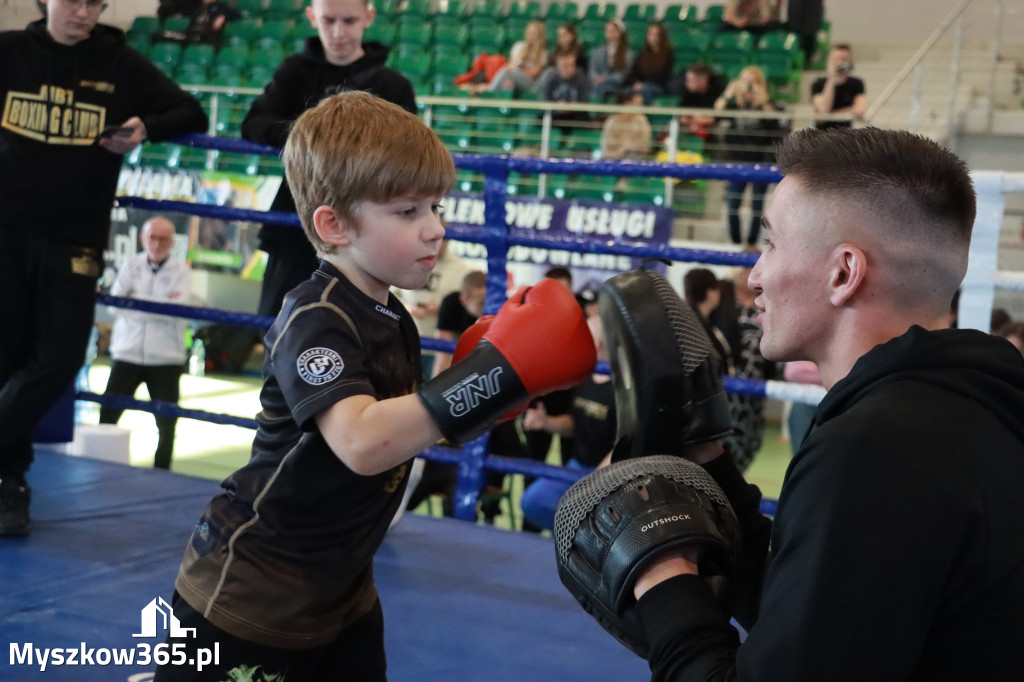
681	562
122	144
537	343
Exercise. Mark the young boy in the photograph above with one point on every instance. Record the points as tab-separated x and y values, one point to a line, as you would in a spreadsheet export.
279	570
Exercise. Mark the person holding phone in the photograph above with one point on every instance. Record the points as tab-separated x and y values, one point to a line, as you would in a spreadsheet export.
839	92
65	80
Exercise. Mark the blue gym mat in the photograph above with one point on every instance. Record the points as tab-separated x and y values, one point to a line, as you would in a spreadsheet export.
461	602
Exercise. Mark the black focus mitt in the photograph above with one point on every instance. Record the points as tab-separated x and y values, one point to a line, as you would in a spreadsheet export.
667	376
614	522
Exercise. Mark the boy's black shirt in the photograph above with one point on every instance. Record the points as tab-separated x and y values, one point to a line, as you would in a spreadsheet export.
284	556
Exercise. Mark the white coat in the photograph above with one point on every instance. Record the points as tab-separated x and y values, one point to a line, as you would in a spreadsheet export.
146	338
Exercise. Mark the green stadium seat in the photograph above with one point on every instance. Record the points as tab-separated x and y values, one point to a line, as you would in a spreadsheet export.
418	8
713	16
267	57
386	8
277	29
414	66
197	54
415	33
283	9
176	24
732	47
242	31
245	164
139	41
557	185
780	57
602	11
590	36
450	8
449	66
195	159
491	42
165	54
160	155
145	24
593	188
490	9
304	29
225	76
524	9
259	75
689	46
452	52
190	74
381	32
641	191
679	14
250	9
562	11
271	165
640	12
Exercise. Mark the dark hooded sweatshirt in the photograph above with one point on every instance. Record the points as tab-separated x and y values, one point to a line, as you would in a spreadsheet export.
299	84
897	550
56	99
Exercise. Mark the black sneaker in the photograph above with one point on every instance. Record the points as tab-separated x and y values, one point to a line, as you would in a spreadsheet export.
15	496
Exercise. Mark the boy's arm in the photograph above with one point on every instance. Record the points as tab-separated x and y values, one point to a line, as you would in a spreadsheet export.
537	343
370	436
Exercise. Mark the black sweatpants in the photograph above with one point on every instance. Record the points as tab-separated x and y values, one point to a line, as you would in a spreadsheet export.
356	654
162	382
49	302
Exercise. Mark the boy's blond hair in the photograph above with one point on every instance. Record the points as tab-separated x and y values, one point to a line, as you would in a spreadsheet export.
354	147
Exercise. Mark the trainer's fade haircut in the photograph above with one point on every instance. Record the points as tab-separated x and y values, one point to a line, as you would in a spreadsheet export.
354	147
911	180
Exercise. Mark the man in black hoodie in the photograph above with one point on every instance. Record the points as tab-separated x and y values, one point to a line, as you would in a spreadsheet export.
337	59
896	551
64	81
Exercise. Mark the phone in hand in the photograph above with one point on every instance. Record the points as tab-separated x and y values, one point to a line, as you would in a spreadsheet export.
115	131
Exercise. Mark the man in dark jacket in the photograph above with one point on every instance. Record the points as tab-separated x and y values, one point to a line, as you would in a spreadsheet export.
337	59
895	552
66	82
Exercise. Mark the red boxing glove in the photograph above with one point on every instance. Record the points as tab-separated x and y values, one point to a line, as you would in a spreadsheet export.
538	342
543	334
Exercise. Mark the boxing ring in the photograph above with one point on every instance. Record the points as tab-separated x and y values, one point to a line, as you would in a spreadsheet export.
462	601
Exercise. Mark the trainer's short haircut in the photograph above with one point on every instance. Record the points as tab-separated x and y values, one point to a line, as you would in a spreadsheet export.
475	279
354	147
915	184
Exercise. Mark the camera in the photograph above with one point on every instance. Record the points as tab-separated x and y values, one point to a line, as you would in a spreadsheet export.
844	68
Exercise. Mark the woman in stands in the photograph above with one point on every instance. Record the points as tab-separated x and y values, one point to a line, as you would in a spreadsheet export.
653	68
610	63
528	58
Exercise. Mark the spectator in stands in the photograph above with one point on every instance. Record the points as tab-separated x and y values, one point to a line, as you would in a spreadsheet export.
458	311
839	92
527	60
736	317
626	135
653	67
610	62
208	21
590	422
748	140
566	38
569	85
804	18
180	8
57	189
333	60
701	88
146	347
755	16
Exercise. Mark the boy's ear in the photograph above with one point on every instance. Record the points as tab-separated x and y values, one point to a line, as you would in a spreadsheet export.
331	227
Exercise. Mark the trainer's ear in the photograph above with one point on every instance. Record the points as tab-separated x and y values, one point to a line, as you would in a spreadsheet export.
849	267
331	227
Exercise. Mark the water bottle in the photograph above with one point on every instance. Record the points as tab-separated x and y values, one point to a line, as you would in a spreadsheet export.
197	360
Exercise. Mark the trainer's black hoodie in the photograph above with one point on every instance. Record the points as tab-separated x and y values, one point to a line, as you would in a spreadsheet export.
56	99
897	551
300	83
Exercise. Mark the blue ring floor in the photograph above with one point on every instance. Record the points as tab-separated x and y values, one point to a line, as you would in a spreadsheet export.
461	602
